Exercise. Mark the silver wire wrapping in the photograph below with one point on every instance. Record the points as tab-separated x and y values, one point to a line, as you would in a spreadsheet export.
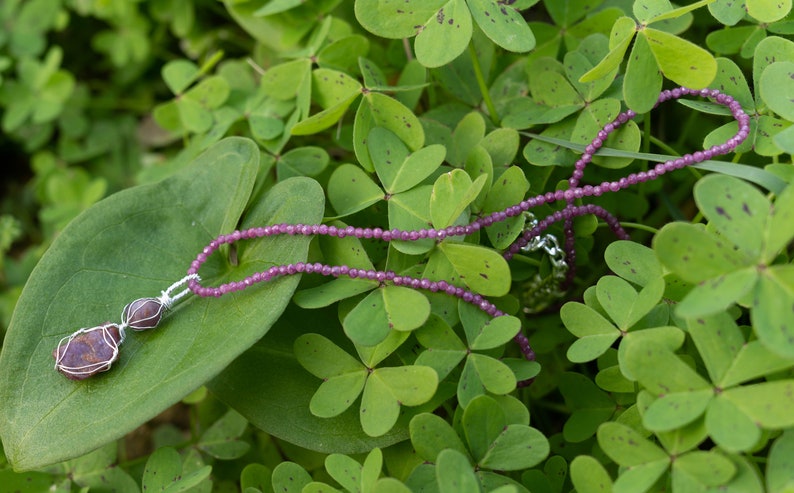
541	291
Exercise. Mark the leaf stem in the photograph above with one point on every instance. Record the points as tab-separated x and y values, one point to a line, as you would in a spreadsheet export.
486	96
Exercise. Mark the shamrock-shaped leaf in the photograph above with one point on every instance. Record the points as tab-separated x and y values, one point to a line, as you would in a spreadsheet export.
290	477
221	439
383	310
384	389
483	270
780	465
590	405
163	472
397	168
494	439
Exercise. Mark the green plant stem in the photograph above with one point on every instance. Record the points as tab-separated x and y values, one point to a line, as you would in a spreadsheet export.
486	96
638	226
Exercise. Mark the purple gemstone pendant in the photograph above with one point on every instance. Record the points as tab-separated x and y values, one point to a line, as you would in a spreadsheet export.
88	351
142	314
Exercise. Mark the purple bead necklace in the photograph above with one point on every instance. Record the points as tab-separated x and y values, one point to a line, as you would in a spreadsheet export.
89	351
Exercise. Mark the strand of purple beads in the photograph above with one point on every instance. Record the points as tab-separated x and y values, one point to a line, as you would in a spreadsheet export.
575	191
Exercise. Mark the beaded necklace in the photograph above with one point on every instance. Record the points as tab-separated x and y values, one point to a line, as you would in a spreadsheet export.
89	351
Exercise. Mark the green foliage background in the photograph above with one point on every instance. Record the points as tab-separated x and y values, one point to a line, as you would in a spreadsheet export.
133	132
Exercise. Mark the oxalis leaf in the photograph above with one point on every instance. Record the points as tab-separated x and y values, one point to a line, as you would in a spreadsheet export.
131	245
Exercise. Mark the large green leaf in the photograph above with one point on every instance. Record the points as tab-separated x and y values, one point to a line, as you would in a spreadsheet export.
134	244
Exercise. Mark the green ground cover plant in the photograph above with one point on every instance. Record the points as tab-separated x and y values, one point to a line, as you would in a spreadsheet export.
136	132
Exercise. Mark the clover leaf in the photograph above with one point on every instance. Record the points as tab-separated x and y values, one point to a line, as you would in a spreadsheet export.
383	390
481	372
446	26
645	462
492	440
732	265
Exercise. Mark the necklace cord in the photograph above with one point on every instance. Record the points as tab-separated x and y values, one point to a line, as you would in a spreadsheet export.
145	313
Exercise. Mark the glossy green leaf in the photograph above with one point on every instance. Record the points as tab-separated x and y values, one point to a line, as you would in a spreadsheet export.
768	404
431	434
627	447
387	389
643	79
589	476
483	270
350	190
445	35
736	209
681	61
395	18
781	463
455	474
716	295
729	427
503	25
111	275
694	254
773	310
